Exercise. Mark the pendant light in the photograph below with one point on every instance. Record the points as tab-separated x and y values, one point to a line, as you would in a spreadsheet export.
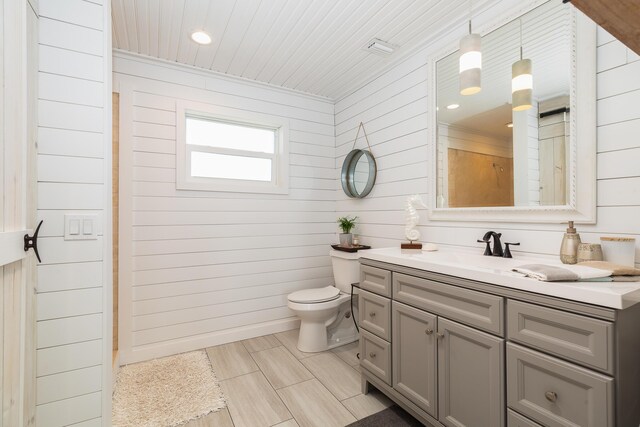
521	82
470	61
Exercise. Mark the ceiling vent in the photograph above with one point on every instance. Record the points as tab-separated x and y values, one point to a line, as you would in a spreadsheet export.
379	47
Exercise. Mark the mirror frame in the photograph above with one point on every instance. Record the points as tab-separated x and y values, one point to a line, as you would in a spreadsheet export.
581	206
348	173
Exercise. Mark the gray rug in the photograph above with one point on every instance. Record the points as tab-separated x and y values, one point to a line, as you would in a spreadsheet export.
393	416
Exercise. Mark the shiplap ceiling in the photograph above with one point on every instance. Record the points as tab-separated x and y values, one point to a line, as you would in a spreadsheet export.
313	46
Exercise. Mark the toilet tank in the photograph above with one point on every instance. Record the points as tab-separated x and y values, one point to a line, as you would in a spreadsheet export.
346	269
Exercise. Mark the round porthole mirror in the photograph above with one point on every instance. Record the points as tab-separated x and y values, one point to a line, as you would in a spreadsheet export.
358	173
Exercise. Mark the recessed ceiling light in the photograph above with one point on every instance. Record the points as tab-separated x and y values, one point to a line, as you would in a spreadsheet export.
453	106
509	125
201	37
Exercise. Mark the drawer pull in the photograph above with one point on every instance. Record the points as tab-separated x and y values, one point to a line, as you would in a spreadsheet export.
372	355
439	335
551	396
372	314
428	331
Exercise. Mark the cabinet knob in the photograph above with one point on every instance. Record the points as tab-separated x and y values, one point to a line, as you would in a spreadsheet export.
428	331
372	355
439	335
372	314
551	396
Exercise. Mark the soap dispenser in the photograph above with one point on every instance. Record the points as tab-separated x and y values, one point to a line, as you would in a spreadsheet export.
569	246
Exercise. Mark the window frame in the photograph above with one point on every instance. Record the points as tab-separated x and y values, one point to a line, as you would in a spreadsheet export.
279	183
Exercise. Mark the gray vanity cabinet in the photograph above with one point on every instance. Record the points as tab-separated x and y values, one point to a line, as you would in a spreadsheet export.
470	376
415	356
458	352
448	371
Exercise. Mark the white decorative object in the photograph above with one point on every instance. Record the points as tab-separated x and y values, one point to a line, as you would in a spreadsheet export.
412	217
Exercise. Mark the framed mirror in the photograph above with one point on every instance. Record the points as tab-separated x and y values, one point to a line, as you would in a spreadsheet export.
358	173
536	165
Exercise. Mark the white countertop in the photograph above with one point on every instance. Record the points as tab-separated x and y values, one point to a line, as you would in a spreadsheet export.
497	271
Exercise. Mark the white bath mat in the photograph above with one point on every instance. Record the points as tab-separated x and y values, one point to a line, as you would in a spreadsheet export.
166	392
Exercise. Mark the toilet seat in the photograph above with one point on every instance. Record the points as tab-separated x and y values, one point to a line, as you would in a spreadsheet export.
314	296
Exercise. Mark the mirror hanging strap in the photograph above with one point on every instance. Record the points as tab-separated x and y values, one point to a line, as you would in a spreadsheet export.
361	126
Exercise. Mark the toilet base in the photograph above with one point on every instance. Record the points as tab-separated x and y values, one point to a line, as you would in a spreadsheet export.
313	340
315	336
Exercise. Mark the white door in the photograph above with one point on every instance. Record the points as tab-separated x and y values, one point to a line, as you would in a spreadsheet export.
18	129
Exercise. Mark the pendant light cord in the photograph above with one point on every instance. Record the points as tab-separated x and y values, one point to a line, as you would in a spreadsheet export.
520	20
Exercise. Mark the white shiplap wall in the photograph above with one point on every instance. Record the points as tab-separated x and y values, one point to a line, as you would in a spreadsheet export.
199	268
73	356
394	109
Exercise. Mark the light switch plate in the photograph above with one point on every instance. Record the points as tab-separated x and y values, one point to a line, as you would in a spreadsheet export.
74	227
87	227
80	227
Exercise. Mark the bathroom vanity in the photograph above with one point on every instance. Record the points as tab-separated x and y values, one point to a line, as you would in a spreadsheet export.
460	340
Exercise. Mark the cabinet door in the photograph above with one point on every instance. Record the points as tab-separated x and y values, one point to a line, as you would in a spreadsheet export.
470	376
414	356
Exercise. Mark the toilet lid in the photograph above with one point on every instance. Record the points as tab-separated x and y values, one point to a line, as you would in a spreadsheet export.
315	295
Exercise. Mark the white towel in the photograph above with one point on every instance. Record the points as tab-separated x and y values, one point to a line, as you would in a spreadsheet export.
566	273
588	272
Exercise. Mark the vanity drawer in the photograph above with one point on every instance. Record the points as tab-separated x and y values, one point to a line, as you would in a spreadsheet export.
514	419
557	393
478	309
375	354
374	314
571	336
375	280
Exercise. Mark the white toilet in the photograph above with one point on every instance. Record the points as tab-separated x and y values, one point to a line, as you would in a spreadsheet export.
325	313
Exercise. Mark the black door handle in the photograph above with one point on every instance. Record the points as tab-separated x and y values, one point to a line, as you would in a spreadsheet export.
32	241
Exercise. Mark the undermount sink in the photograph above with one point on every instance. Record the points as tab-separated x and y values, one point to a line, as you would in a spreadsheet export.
468	260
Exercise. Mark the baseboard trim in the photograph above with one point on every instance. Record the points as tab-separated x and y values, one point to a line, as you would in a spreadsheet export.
198	342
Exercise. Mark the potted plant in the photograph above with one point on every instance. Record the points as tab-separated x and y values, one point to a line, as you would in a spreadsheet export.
346	224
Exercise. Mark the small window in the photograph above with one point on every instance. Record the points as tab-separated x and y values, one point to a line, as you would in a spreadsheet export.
244	153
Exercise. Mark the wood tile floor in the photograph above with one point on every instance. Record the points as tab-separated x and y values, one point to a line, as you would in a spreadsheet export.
268	382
